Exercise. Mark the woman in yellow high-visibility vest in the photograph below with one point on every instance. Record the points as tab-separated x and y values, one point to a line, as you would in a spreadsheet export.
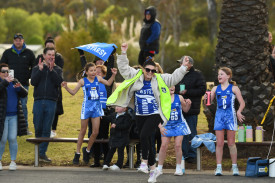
152	99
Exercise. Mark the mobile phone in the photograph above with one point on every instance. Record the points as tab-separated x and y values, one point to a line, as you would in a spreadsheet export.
11	73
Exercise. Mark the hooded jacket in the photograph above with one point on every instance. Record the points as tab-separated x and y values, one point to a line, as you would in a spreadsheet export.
150	32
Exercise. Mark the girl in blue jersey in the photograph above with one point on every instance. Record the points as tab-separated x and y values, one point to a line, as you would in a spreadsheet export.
176	127
91	106
226	118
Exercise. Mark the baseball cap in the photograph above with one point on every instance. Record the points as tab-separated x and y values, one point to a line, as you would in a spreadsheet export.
18	35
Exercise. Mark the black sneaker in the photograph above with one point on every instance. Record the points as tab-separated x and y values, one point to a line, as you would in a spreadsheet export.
95	165
126	165
86	155
45	159
137	164
76	159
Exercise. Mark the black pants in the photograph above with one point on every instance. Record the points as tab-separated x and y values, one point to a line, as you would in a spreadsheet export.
147	125
120	156
142	56
103	133
55	120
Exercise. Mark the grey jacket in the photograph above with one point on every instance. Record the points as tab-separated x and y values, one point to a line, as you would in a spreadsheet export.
128	72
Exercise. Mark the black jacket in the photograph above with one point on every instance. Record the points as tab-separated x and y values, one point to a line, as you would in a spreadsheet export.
46	82
22	124
22	64
146	31
196	87
119	136
59	61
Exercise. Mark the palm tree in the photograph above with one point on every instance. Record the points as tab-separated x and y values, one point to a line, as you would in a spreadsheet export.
243	47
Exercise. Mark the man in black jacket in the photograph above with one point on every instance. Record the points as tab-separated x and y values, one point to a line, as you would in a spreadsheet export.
58	60
46	78
192	86
21	60
149	35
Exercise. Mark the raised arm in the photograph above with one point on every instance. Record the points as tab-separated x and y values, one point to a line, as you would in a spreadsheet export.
111	80
125	70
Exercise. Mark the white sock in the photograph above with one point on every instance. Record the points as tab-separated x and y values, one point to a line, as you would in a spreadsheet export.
219	165
87	150
77	153
160	167
234	165
178	166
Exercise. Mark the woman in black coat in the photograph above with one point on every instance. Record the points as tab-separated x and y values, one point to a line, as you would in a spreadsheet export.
12	120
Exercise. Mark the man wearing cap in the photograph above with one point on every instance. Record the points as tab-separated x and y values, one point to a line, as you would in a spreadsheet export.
21	60
149	35
192	86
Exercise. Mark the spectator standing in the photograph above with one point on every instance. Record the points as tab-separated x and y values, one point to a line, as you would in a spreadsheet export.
149	35
21	60
195	88
46	78
59	61
12	121
119	137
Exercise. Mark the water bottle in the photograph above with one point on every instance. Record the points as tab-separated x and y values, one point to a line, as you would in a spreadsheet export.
183	165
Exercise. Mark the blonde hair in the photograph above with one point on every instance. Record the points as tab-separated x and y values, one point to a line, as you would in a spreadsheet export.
103	69
228	71
159	69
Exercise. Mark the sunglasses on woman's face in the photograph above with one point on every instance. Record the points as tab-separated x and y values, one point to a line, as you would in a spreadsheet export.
151	70
5	71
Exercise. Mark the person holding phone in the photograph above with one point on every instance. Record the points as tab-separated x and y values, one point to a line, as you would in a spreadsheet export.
12	121
193	87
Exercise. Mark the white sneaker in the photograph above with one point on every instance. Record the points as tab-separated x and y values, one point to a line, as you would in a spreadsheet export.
143	168
178	172
218	171
157	157
1	168
235	171
105	167
12	165
53	134
154	175
114	168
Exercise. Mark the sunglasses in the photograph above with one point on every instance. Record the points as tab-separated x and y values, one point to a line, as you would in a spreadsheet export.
5	71
151	70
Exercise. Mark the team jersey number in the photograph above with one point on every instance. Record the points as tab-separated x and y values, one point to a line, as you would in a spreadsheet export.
174	116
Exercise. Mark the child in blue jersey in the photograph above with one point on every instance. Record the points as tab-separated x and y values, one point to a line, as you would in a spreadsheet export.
226	118
176	127
91	107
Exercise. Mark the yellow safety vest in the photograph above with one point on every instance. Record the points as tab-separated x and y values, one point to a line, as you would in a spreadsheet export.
165	98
